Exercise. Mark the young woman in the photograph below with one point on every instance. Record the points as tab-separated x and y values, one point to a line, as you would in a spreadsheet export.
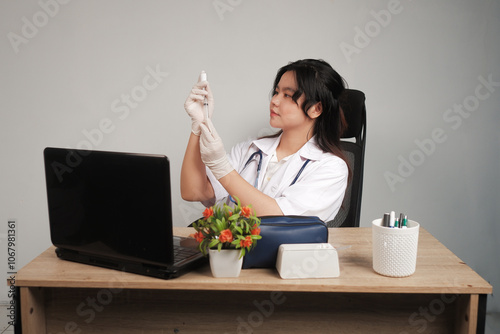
299	171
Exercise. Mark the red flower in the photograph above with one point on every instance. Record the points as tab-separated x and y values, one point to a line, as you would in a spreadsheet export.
246	211
247	242
226	236
255	231
208	212
198	236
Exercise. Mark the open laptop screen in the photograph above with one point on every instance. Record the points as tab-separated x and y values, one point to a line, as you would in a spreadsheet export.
110	204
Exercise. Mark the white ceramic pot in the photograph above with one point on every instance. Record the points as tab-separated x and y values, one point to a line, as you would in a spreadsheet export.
225	263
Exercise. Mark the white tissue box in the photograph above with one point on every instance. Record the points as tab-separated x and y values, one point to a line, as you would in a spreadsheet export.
318	260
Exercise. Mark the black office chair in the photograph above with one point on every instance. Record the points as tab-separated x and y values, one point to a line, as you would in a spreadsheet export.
353	104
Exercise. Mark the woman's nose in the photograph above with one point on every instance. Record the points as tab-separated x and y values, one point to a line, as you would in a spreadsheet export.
275	100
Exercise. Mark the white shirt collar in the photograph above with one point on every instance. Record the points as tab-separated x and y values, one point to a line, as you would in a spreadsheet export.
310	150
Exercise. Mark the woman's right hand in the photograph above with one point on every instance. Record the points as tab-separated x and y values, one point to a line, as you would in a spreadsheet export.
194	105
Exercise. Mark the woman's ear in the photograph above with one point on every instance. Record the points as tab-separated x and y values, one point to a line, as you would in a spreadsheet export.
315	110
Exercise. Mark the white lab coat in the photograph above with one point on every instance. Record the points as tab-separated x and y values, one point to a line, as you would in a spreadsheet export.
318	191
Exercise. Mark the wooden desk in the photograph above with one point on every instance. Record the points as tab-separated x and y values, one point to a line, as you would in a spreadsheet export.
443	296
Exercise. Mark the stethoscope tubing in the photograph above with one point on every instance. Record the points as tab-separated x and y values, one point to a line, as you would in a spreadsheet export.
259	166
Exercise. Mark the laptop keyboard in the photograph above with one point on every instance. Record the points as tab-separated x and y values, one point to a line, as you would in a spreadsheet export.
182	253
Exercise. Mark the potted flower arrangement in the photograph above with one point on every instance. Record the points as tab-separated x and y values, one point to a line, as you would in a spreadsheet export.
226	234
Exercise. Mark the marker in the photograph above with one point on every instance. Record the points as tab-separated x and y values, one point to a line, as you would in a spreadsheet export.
405	222
396	223
401	217
203	77
386	219
392	219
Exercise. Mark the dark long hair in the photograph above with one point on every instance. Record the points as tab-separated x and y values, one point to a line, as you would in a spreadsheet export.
319	82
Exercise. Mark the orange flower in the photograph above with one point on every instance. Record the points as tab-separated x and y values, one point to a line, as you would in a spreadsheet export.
246	211
208	212
198	236
247	242
255	231
226	236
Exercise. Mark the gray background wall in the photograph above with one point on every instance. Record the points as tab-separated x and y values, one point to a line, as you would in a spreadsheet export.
68	67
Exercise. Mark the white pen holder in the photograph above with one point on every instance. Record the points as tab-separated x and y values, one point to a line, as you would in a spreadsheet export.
395	249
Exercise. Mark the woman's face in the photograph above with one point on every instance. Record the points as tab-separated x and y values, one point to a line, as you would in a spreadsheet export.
286	114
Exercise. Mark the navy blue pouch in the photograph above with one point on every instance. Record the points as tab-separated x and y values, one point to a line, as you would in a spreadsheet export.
277	230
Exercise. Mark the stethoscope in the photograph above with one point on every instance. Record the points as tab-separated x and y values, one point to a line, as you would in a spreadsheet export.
259	165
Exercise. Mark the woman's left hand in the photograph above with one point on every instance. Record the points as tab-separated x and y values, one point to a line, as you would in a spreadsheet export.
212	151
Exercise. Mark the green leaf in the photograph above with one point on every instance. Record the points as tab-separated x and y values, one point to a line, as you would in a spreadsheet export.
220	225
213	242
234	217
203	247
214	228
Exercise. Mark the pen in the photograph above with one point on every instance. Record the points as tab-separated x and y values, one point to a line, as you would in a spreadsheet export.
392	219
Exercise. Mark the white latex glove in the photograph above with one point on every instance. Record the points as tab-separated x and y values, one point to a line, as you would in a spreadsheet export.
212	151
194	104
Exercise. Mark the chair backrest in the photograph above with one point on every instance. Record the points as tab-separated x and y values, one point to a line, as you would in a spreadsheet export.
353	144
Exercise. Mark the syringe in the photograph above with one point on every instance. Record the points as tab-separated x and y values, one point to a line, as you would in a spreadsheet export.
203	77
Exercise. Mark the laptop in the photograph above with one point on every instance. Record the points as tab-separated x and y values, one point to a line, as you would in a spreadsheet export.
114	210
